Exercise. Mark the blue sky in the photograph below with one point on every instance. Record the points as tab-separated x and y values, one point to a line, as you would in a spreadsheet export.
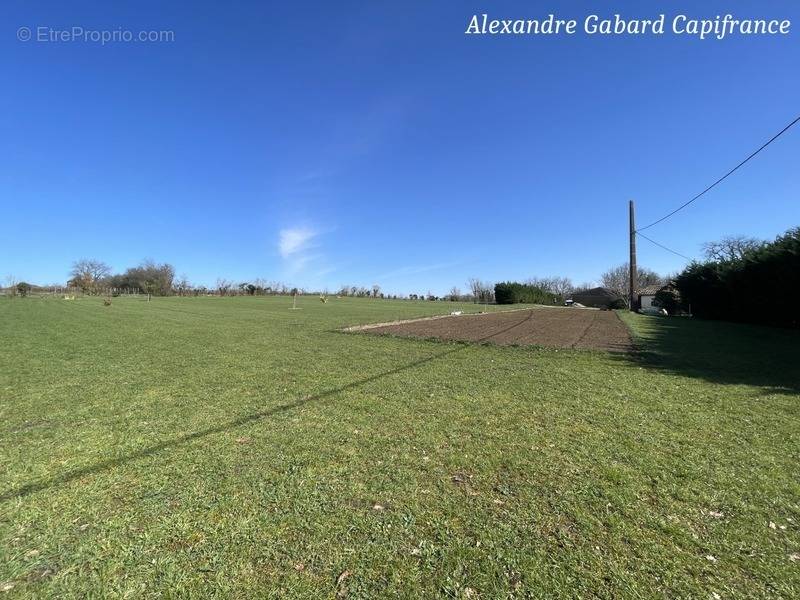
324	143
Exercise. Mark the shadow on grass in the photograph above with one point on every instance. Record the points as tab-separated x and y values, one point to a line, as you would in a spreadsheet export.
718	351
99	467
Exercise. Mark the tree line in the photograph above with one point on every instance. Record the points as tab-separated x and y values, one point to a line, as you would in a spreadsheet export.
746	280
741	279
92	276
95	277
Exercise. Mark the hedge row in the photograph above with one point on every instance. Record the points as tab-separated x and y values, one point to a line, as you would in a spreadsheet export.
512	292
762	287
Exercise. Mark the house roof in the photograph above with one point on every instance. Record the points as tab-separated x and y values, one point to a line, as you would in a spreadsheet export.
650	290
598	291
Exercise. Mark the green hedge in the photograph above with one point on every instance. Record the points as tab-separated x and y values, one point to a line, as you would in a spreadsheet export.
762	287
511	292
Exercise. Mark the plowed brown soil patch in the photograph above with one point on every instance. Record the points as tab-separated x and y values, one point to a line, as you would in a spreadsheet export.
554	327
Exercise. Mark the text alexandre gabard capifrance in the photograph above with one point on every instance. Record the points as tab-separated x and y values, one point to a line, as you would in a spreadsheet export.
717	27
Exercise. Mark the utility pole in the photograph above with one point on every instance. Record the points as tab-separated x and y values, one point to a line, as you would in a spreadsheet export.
632	261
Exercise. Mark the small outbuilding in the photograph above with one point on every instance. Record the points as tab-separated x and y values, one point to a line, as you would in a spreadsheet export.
647	294
670	298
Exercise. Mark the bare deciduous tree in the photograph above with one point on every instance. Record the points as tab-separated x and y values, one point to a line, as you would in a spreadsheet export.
87	273
481	291
560	286
732	247
582	287
474	285
617	279
182	286
224	286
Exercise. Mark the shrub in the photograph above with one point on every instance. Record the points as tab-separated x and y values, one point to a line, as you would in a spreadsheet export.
617	303
670	300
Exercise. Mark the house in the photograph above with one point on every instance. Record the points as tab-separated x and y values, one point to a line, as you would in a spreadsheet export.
599	297
671	300
647	294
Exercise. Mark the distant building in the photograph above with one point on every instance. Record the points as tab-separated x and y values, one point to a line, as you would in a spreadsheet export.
647	294
599	297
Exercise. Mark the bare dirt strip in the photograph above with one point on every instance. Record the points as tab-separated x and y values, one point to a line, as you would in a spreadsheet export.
552	327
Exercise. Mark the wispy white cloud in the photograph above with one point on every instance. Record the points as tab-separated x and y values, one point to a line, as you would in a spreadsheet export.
299	247
295	240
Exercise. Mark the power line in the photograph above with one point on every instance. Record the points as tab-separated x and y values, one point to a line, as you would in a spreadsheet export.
721	179
662	246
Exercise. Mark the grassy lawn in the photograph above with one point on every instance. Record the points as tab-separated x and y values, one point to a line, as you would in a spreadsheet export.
231	447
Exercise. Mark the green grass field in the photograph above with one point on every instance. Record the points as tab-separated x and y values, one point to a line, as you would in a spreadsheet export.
230	447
